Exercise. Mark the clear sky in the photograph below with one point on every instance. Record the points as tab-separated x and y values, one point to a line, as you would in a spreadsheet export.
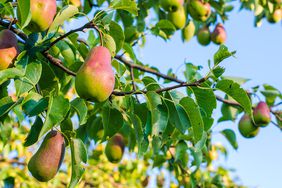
258	161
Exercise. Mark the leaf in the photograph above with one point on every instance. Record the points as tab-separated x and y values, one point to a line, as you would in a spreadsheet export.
112	121
34	104
57	110
201	143
159	113
164	29
9	74
195	118
24	13
81	109
231	137
237	93
34	132
118	35
6	104
127	5
78	155
222	54
181	154
177	115
9	182
150	83
65	14
5	133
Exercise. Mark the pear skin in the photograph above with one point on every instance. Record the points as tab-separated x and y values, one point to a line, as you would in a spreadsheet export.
115	148
204	36
178	18
45	163
199	10
95	79
262	114
171	5
42	14
188	31
8	48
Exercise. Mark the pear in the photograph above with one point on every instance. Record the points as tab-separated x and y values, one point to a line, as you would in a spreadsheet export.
42	14
8	48
247	127
171	5
262	114
188	31
204	36
115	148
178	18
275	16
45	163
199	10
218	36
95	79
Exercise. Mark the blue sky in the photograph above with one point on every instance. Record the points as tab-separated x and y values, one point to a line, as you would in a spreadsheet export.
258	161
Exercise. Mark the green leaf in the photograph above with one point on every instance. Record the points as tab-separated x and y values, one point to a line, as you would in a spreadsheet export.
24	13
201	143
65	14
222	54
34	104
231	137
5	133
9	74
34	132
181	154
81	109
78	155
194	114
164	29
127	5
150	83
159	113
237	93
6	104
112	121
118	35
57	110
177	114
48	81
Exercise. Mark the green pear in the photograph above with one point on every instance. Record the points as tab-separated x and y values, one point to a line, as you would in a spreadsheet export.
262	114
8	48
95	80
247	127
45	163
188	31
42	14
199	10
275	16
178	18
115	148
218	36
171	5
204	36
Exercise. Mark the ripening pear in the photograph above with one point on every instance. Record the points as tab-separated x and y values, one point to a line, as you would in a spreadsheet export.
42	14
76	3
204	36
199	10
115	148
95	80
8	48
218	36
275	16
188	31
178	18
45	163
171	5
262	114
247	127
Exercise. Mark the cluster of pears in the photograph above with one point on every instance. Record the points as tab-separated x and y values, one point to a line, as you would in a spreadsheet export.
46	162
218	36
115	148
42	14
262	118
8	48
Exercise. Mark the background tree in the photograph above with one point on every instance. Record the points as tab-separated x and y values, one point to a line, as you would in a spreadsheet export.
135	109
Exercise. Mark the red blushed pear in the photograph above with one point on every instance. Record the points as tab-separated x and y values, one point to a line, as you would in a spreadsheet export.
42	14
199	10
96	80
45	163
262	114
8	48
115	148
218	35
